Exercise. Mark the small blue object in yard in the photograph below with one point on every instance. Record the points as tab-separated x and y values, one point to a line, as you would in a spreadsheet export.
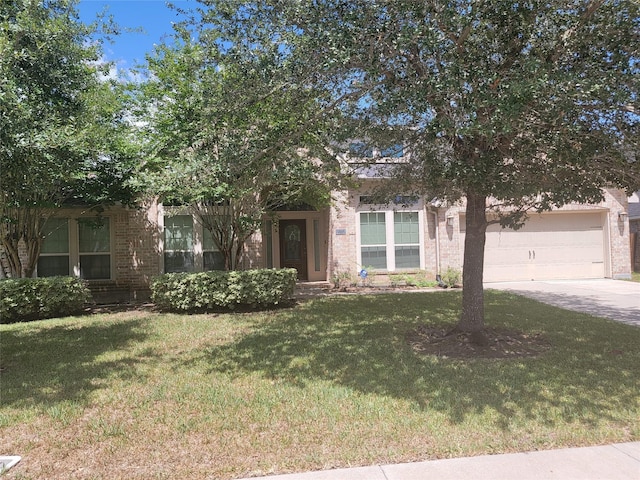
363	273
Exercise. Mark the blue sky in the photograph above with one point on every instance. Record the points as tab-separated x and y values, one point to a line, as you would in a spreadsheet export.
153	16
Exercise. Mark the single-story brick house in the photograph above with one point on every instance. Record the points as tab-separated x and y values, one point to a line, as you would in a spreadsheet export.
127	247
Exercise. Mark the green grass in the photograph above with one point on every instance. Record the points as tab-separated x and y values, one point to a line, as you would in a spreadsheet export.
329	383
635	276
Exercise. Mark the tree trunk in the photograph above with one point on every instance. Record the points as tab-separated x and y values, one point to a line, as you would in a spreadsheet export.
13	257
237	259
33	241
227	254
34	246
472	318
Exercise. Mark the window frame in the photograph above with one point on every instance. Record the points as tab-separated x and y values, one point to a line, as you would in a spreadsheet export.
103	253
392	151
201	232
402	244
389	215
166	251
66	254
360	149
73	225
377	246
198	239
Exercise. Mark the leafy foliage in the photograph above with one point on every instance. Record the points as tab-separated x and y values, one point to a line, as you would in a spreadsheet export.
514	106
26	299
228	136
207	291
62	133
451	277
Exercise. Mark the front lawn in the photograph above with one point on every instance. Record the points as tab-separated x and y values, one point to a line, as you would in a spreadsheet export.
329	383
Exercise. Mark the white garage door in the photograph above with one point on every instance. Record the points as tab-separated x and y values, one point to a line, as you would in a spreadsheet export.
552	246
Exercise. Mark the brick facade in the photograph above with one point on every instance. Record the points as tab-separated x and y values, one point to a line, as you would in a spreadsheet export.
443	244
342	247
616	203
137	239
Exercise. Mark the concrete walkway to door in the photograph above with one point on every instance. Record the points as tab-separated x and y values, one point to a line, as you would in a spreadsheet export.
615	299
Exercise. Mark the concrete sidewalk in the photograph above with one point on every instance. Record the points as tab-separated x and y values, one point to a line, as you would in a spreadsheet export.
609	462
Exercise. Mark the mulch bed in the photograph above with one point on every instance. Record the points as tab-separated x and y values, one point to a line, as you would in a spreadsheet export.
502	343
119	307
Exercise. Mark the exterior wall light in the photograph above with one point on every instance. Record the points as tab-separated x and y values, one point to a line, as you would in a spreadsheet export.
622	216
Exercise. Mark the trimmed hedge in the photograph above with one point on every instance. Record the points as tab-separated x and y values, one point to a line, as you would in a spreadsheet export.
223	290
26	299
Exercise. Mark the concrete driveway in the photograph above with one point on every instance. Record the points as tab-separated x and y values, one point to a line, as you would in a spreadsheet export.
615	299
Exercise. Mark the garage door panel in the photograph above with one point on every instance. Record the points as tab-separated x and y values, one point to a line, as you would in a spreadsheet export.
568	270
508	272
553	246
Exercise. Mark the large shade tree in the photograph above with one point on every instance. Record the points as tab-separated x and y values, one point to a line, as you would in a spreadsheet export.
62	134
511	106
227	136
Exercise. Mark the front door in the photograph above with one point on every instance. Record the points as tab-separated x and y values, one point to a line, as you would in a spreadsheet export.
293	246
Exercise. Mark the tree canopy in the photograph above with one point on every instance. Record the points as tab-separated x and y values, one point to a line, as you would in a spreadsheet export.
228	137
62	133
511	106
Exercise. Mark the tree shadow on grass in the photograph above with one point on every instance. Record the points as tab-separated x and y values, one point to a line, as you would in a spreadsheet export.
53	364
359	342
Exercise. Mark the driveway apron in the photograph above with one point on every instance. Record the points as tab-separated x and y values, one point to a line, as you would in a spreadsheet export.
614	299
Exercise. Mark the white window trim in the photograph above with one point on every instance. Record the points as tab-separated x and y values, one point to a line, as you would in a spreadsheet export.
420	242
389	259
390	234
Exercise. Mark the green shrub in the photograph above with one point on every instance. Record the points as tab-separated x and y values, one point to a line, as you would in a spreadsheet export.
227	290
342	280
451	277
25	299
420	279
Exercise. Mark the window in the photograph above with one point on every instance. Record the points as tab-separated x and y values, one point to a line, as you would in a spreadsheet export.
178	244
373	200
267	235
94	248
189	245
400	200
212	259
405	200
393	151
79	247
390	240
373	239
54	255
406	236
316	245
361	150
